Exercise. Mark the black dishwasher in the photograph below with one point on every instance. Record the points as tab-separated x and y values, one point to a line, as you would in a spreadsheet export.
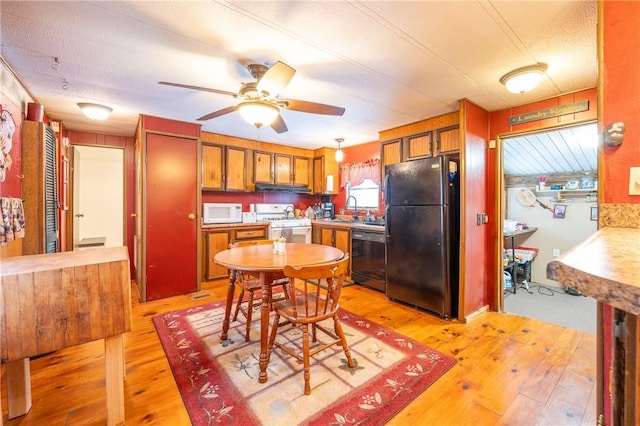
368	259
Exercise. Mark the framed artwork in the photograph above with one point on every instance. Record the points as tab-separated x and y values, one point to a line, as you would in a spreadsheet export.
559	211
594	213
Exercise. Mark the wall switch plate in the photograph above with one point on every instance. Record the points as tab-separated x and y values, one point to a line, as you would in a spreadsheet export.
556	252
634	181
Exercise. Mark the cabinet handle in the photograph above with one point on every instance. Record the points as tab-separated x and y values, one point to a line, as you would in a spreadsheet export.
191	216
80	215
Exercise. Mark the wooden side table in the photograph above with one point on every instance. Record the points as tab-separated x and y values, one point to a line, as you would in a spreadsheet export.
53	301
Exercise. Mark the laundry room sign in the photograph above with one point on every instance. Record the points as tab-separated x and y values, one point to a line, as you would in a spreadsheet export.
549	112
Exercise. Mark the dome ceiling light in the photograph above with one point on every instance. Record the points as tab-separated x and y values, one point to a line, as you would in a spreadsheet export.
524	79
95	111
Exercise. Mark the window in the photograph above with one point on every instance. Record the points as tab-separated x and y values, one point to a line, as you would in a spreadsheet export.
367	195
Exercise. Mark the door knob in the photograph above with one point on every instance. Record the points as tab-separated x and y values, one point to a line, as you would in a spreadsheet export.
191	216
80	215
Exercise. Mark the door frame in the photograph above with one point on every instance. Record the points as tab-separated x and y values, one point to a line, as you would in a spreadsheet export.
71	192
500	200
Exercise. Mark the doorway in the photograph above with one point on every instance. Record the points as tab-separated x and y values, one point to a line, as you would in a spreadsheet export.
97	201
550	190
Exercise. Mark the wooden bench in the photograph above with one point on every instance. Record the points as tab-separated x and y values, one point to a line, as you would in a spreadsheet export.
53	301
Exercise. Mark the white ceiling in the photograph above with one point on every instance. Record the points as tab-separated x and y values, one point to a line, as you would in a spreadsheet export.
387	62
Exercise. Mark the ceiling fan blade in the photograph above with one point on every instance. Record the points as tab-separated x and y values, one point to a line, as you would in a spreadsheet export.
312	107
204	89
278	125
218	113
275	79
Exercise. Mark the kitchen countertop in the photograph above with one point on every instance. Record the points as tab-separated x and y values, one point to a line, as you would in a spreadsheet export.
605	267
348	224
234	225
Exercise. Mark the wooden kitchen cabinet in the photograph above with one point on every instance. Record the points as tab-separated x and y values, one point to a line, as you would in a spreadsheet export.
301	171
218	239
283	165
426	138
447	140
338	237
262	167
236	169
224	168
212	167
324	165
418	146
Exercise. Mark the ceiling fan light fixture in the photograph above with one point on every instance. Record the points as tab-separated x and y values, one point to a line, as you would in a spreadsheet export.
524	79
339	152
95	111
258	113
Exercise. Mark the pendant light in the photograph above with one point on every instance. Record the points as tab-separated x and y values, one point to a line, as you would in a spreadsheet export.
339	152
524	79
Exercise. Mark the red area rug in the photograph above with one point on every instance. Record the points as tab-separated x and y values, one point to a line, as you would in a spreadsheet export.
218	380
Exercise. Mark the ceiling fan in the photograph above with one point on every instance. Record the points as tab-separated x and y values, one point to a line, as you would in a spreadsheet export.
259	102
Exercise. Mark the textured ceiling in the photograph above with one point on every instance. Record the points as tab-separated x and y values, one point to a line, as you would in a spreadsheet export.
387	62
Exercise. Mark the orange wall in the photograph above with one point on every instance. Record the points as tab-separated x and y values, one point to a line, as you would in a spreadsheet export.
357	154
620	92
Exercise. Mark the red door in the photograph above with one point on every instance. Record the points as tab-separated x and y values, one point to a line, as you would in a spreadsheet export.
171	188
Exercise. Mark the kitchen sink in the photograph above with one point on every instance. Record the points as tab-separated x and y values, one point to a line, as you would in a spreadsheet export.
372	223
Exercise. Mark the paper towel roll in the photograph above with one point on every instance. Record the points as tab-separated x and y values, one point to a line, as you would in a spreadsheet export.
329	187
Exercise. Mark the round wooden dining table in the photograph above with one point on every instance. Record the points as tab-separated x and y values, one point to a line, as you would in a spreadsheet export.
261	260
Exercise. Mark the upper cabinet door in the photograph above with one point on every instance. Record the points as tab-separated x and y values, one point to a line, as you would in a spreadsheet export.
236	169
283	174
262	167
301	171
213	167
391	152
418	146
449	139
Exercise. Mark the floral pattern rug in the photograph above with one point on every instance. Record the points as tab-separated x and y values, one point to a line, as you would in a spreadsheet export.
218	380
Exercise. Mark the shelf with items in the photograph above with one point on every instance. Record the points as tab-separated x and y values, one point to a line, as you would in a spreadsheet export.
590	194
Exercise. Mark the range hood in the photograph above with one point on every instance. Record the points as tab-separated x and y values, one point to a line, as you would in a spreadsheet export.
268	187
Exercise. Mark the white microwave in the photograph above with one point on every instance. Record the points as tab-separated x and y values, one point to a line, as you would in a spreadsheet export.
221	213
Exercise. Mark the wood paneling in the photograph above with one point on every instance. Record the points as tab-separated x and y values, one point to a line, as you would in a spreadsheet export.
445	120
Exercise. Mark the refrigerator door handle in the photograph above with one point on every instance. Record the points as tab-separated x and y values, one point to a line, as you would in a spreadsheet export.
387	220
386	188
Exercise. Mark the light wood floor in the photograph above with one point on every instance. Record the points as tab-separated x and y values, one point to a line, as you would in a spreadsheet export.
510	370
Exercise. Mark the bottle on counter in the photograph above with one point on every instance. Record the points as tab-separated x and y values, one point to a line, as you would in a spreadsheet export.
541	183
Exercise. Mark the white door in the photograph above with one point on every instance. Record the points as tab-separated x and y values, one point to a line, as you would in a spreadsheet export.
98	196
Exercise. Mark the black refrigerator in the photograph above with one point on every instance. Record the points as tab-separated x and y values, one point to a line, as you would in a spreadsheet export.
422	216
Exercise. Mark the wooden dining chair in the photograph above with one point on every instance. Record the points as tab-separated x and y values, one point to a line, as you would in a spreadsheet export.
308	305
250	283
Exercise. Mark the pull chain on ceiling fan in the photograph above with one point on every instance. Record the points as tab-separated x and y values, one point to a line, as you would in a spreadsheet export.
259	101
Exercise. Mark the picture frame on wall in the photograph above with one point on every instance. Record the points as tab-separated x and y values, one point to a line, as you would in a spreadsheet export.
559	211
594	213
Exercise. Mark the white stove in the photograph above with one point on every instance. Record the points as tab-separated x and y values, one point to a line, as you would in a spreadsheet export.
283	224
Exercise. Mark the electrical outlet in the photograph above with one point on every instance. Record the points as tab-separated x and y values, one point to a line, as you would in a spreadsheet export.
556	252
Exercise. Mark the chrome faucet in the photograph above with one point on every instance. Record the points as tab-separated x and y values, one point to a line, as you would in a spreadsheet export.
355	206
